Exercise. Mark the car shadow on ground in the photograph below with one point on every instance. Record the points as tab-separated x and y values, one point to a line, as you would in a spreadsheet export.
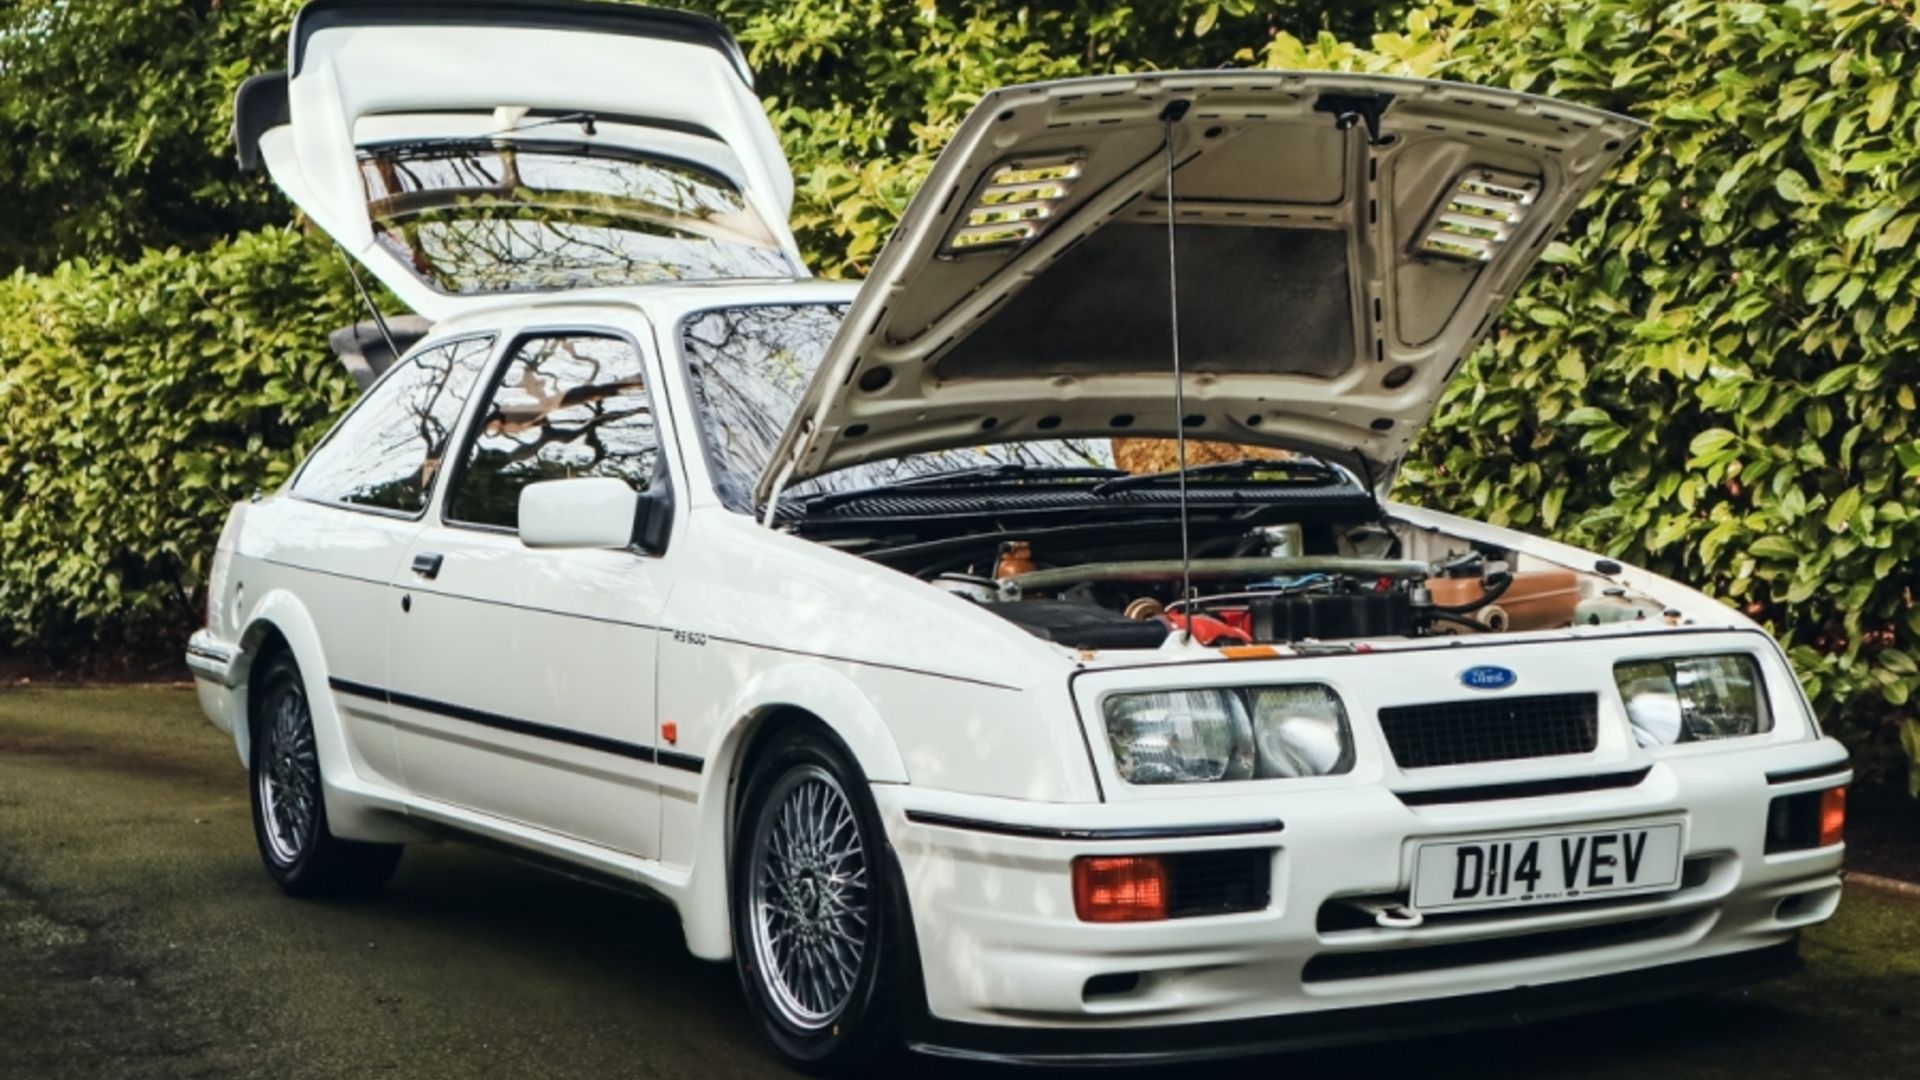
614	940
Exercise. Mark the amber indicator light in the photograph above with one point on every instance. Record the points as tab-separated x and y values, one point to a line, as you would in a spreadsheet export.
1125	888
1833	816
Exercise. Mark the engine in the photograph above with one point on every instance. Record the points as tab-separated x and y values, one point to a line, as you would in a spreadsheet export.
1273	590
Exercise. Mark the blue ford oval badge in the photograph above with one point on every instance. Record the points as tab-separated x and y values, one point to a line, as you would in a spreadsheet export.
1488	677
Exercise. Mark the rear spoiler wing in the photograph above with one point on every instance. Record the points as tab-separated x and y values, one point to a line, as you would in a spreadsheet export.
261	102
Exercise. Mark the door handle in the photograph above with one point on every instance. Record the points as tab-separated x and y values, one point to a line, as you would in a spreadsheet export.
427	564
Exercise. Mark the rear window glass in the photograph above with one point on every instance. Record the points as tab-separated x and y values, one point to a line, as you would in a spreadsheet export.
490	217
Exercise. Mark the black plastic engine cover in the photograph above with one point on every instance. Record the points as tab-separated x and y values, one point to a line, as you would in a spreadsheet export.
1082	626
1330	616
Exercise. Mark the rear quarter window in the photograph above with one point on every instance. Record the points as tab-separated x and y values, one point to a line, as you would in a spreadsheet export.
387	452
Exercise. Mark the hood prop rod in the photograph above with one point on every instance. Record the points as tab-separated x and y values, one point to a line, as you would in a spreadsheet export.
1170	116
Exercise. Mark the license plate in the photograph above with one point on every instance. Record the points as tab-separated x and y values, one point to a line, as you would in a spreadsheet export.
1506	871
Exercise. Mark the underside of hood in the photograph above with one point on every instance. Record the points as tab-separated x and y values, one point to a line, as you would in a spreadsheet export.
1342	241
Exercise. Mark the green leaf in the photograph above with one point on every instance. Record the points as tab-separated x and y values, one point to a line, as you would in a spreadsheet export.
1841	512
1802	590
1792	187
1821	286
1869	222
1559	253
1869	160
1899	316
1910	742
1895	236
1880	98
1835	380
1710	440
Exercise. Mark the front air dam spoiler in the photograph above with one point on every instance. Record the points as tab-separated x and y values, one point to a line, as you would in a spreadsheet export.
1097	1046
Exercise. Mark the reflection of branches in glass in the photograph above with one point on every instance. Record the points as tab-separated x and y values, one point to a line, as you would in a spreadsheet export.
750	367
387	452
574	406
491	217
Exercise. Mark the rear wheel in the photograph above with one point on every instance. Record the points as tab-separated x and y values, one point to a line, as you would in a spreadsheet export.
812	909
289	810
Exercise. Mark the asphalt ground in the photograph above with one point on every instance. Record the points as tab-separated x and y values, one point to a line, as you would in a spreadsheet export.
139	938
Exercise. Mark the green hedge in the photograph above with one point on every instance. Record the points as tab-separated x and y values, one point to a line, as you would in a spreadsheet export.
138	401
1713	376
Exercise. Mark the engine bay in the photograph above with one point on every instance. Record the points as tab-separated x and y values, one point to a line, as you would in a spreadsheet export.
1269	584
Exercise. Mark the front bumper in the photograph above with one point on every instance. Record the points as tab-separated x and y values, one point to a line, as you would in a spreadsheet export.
1007	962
211	659
1345	1027
218	671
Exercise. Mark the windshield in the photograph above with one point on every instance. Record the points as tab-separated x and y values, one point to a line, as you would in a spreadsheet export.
484	217
750	365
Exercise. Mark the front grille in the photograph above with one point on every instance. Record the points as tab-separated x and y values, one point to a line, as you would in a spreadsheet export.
1505	729
1219	882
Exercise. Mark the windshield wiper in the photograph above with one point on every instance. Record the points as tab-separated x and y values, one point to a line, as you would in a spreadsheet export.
1297	469
1008	470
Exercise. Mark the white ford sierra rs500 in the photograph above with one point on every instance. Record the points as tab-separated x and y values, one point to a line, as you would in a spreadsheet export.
828	613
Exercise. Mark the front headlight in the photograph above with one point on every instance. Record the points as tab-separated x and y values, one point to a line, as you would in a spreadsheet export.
1187	736
1693	698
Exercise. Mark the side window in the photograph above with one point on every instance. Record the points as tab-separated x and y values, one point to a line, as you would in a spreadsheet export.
565	406
387	451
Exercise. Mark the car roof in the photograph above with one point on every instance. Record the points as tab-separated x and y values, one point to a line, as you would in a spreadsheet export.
663	303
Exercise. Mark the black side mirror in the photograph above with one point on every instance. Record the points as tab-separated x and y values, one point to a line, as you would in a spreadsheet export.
653	521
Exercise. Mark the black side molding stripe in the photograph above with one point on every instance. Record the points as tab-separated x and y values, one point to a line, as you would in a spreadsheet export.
1811	772
673	759
1044	832
585	740
348	686
1527	789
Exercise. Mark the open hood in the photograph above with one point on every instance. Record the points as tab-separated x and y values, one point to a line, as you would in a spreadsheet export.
461	151
1343	241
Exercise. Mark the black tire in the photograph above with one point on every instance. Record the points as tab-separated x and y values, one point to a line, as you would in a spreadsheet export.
817	1025
289	811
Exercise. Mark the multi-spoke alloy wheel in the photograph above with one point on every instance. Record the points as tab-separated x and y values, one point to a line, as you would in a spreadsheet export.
821	934
289	778
289	811
810	895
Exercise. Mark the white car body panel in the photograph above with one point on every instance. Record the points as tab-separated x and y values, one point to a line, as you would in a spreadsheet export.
593	707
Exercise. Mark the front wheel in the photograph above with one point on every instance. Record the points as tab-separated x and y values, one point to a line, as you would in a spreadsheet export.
812	911
289	812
